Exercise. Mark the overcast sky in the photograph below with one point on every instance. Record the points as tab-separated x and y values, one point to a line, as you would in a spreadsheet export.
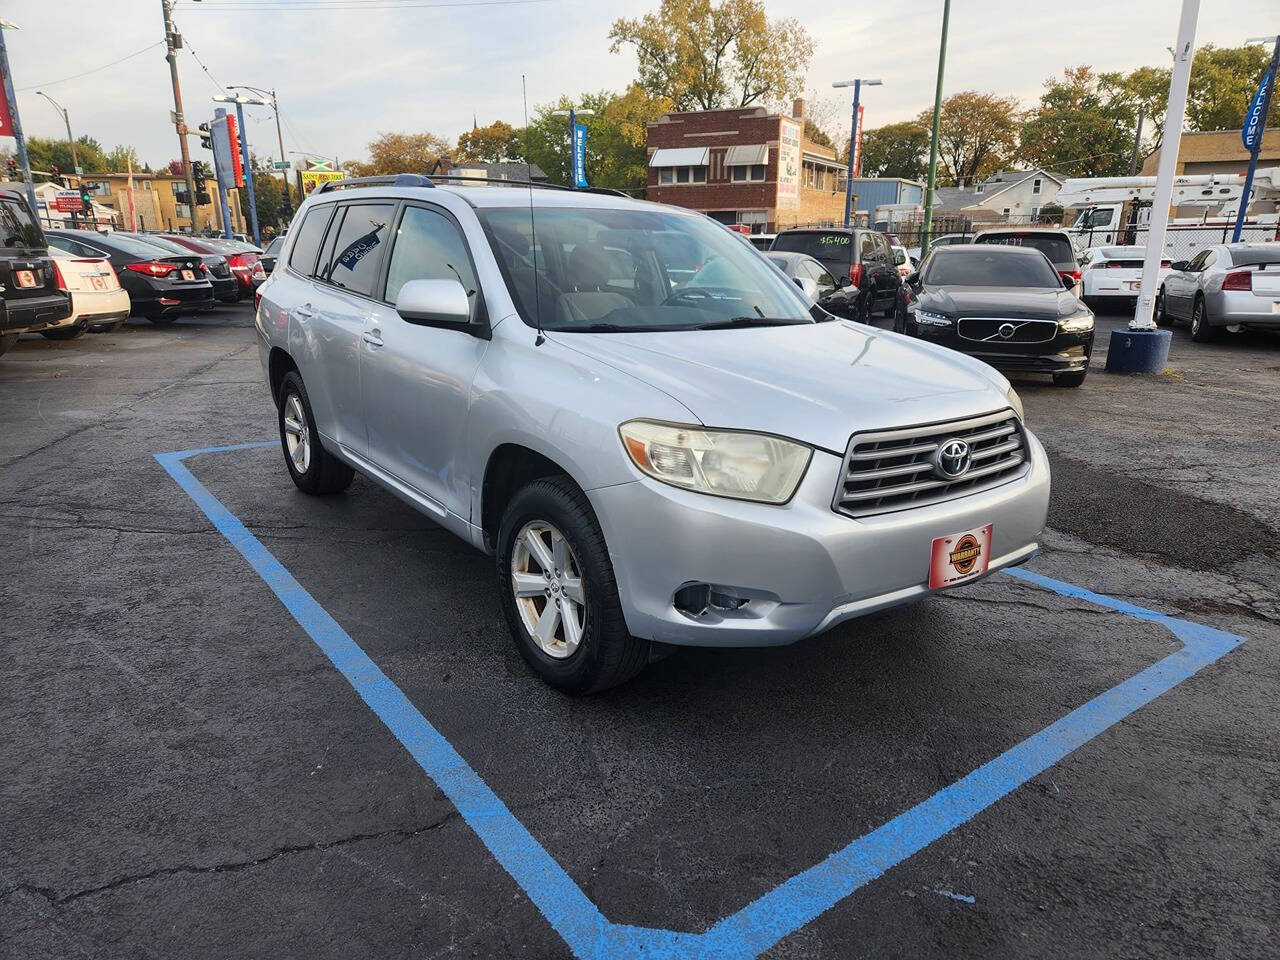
347	70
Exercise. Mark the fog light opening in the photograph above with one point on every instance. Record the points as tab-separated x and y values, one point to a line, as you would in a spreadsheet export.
699	599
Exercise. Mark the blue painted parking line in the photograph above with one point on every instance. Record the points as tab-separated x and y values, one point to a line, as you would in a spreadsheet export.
789	906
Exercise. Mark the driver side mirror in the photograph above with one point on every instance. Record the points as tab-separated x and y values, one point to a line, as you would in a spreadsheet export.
1179	265
899	258
842	281
912	279
1068	281
434	303
808	286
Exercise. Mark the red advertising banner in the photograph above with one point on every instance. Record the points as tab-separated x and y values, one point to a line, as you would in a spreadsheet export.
6	121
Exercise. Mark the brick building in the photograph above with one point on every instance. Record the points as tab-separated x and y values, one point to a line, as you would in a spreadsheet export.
157	201
1217	151
745	165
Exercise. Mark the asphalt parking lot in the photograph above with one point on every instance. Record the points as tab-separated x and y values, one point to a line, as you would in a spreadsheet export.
188	773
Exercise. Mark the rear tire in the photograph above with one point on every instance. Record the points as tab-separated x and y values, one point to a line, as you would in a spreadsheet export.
605	654
1159	314
7	341
1201	330
314	470
1069	379
66	333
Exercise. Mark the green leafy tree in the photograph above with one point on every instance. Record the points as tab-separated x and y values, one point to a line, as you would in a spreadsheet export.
491	144
268	193
400	153
44	153
815	134
1084	125
703	55
978	133
1223	81
119	158
895	150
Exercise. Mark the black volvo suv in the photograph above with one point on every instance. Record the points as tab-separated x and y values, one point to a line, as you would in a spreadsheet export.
29	296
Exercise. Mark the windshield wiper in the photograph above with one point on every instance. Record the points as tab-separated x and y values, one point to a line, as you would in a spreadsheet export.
748	322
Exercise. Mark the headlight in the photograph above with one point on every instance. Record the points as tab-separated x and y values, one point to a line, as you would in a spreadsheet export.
1015	401
1080	323
926	319
725	463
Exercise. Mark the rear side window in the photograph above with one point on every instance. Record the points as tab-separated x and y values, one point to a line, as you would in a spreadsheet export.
822	246
1057	248
357	250
310	235
18	228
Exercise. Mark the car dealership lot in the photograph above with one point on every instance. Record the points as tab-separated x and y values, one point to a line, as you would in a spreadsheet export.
192	776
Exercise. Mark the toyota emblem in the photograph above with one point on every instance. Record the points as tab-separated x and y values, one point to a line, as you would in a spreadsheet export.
951	461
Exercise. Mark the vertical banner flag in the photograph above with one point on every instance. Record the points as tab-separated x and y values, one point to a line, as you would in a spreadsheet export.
6	121
579	155
1251	132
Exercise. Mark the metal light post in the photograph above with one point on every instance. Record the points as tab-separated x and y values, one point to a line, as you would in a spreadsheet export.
926	231
1268	85
240	102
573	114
71	142
853	141
20	142
284	173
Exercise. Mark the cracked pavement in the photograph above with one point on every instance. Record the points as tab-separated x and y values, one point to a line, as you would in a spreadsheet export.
185	775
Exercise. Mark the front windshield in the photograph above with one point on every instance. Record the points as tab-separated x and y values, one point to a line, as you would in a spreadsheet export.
988	268
607	270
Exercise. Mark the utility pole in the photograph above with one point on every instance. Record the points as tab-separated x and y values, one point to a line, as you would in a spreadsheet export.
171	42
19	140
1266	87
1137	140
927	227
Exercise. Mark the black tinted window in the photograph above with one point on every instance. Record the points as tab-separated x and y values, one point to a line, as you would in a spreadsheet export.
429	247
1057	248
307	243
357	251
825	246
18	228
976	268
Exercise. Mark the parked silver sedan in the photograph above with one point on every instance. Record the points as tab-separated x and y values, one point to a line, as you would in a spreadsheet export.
1226	287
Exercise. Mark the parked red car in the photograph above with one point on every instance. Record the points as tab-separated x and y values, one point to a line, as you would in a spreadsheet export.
244	260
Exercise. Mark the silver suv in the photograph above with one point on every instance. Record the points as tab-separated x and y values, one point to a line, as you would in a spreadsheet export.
661	440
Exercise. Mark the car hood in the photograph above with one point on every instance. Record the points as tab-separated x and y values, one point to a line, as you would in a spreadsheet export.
817	383
1030	302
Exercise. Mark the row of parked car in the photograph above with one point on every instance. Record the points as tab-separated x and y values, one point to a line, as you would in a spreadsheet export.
65	283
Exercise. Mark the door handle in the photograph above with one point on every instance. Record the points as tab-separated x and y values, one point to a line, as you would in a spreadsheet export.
372	337
304	312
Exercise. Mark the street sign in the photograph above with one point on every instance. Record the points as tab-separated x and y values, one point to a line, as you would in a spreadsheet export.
67	201
313	178
281	165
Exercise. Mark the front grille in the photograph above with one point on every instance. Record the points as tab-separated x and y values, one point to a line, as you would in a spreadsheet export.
987	330
893	469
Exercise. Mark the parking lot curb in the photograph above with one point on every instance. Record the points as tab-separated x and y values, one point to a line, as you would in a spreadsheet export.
795	902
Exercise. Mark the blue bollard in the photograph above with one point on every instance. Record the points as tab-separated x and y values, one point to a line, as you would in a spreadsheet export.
1138	351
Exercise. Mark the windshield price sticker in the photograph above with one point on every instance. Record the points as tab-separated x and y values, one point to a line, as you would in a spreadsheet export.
834	239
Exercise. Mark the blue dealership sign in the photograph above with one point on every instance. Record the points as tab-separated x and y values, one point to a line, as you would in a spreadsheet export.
1251	132
579	155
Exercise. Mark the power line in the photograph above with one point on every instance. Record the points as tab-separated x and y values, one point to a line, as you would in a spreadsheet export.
77	76
192	50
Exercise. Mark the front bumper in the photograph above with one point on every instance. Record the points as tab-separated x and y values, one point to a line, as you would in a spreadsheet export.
1065	353
802	567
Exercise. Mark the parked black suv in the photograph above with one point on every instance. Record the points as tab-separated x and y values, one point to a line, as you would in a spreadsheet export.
860	254
29	295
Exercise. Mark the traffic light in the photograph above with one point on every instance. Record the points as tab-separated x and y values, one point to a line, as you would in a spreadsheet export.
86	201
13	169
57	176
206	136
199	174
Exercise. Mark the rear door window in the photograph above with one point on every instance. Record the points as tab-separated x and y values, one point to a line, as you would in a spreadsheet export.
357	249
306	245
18	228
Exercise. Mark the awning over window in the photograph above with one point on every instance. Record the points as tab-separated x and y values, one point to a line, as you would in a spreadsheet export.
746	156
679	157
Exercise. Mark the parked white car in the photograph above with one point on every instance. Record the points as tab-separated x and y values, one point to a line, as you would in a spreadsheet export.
1112	275
97	300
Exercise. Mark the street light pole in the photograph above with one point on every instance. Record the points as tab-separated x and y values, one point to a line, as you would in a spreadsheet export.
240	102
573	114
926	232
284	173
71	142
853	141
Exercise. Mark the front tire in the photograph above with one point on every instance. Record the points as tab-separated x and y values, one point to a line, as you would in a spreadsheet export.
558	591
1201	330
314	470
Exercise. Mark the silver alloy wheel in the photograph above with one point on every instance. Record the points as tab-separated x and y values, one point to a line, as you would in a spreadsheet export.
297	436
547	582
1197	316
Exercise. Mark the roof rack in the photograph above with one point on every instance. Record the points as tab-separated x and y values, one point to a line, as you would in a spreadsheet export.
395	180
420	180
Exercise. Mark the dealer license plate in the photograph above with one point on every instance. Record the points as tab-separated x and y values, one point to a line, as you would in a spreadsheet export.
25	278
98	283
960	557
188	274
1135	285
